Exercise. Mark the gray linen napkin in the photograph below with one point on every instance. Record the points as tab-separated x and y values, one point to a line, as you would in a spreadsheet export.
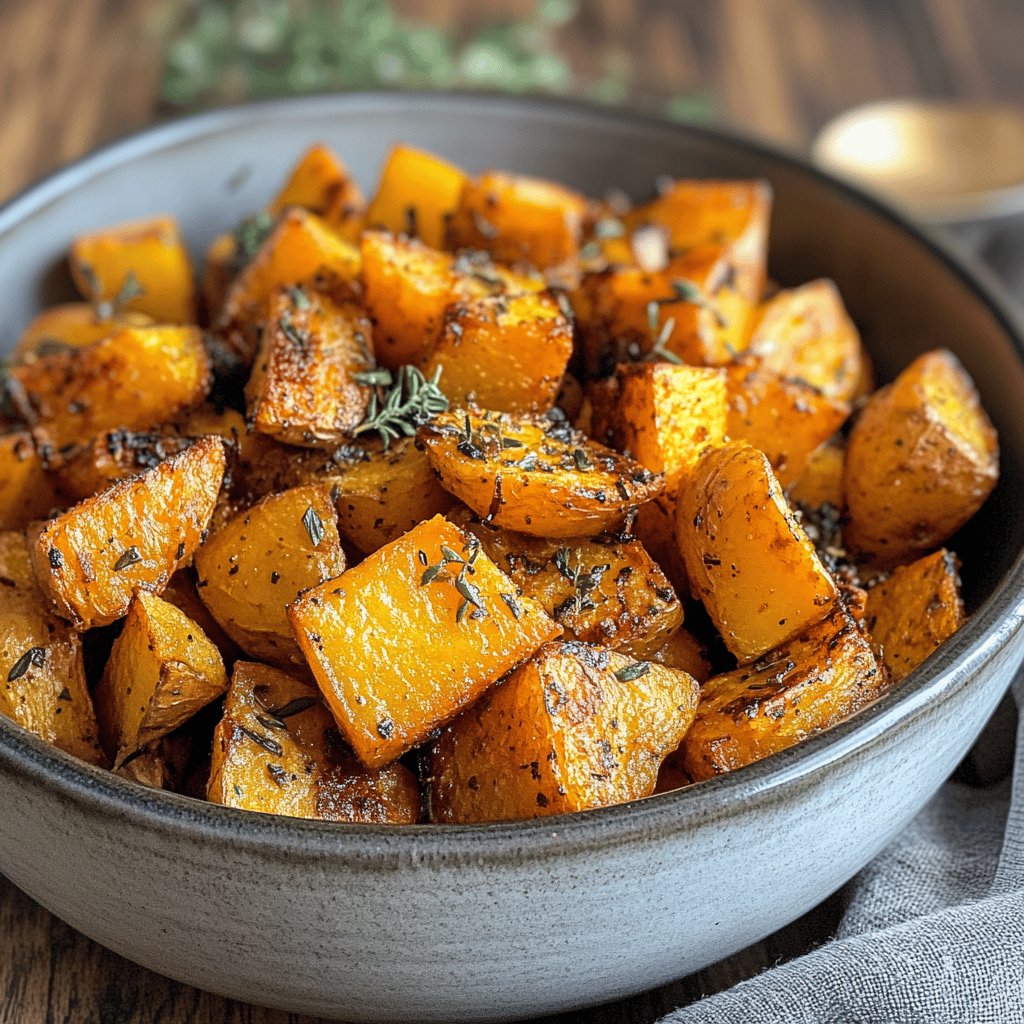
934	929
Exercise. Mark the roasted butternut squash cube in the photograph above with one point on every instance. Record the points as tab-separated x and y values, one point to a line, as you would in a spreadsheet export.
823	675
149	253
42	676
407	287
277	750
162	670
27	490
133	536
182	592
576	727
663	415
921	459
602	591
681	650
403	641
518	219
806	334
416	195
69	326
821	482
305	388
535	475
133	378
321	183
506	353
300	250
747	556
655	528
787	419
913	611
87	469
387	493
253	567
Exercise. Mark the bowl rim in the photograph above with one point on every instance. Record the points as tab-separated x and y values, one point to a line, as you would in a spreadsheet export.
368	847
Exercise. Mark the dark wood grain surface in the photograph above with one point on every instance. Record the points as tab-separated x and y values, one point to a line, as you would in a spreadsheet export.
76	73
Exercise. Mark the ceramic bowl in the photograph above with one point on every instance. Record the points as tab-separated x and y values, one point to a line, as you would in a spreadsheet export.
503	921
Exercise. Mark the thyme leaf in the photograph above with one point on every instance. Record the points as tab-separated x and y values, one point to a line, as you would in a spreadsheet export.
401	402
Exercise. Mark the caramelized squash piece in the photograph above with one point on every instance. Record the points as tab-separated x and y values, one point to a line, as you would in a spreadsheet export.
913	611
300	250
680	650
663	415
822	676
747	557
69	326
821	482
253	567
386	493
42	676
506	353
182	592
150	251
416	195
518	219
535	475
576	727
277	750
133	378
27	490
806	334
921	460
433	584
601	591
655	528
408	286
162	670
304	388
91	559
786	419
321	184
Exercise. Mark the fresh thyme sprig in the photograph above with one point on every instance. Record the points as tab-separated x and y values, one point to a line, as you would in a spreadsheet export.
584	583
249	236
440	573
107	309
401	402
660	335
688	291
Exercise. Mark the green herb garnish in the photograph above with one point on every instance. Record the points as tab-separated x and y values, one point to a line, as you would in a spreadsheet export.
249	236
33	656
130	557
400	403
628	673
441	573
314	526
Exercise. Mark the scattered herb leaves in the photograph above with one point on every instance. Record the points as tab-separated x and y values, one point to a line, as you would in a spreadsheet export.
401	402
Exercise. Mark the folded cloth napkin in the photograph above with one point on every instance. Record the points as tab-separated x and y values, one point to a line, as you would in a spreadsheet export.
933	932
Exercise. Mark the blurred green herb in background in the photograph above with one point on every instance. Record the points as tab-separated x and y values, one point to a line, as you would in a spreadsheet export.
222	51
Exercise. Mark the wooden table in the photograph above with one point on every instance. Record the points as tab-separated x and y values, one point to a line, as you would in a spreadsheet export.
75	73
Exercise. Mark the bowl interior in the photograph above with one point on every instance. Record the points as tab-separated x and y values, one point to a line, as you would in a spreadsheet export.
906	295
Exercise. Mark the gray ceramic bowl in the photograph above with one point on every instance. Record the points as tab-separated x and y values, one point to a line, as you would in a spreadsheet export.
371	923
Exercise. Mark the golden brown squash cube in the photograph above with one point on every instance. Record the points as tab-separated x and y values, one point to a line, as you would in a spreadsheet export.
821	482
806	334
786	419
416	195
680	650
304	389
602	591
747	556
386	494
93	467
277	750
133	378
321	184
407	287
150	251
253	567
505	353
655	528
42	677
71	325
535	475
182	592
91	559
300	250
576	727
26	488
921	459
663	415
822	676
162	670
915	610
403	641
518	219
